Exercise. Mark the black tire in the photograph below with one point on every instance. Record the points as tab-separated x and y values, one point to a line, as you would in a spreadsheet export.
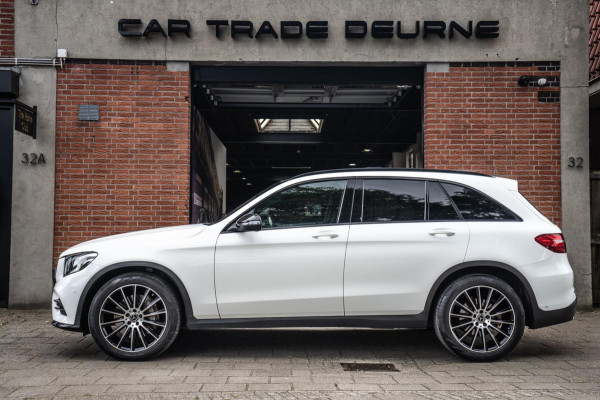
130	331
459	309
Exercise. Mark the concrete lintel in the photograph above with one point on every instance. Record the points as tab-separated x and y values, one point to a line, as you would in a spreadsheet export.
178	66
437	67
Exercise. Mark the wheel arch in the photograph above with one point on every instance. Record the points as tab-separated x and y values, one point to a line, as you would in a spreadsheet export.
500	270
114	270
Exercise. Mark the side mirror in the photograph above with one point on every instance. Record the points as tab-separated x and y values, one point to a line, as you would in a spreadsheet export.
249	222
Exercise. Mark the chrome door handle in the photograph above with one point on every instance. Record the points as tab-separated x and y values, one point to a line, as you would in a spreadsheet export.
330	235
447	233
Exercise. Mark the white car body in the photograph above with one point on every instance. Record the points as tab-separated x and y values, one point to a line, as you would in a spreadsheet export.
347	270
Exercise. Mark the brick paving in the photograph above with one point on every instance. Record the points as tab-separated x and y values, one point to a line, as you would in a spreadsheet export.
39	361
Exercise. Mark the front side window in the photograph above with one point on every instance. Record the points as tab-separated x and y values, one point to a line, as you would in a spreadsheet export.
315	203
477	206
389	200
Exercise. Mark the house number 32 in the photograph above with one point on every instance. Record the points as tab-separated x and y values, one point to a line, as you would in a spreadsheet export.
33	158
575	162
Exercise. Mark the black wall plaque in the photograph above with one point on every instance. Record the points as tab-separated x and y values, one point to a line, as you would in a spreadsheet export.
25	119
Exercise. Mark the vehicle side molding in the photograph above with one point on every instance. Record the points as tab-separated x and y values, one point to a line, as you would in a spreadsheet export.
417	321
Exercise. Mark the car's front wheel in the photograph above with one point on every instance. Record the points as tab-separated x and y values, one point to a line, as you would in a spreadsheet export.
480	318
134	316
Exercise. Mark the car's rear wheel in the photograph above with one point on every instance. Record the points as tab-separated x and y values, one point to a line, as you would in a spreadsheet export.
480	318
134	316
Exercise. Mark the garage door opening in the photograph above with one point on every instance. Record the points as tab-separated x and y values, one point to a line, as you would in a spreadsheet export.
255	125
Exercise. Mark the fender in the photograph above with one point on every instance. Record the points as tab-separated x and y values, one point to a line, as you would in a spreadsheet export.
143	264
482	263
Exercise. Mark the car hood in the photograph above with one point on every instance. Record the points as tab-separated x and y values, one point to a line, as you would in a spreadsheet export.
146	237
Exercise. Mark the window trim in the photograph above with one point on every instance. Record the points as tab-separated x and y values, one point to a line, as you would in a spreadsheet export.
517	217
426	180
228	228
362	214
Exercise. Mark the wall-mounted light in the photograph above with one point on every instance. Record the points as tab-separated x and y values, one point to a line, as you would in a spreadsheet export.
525	80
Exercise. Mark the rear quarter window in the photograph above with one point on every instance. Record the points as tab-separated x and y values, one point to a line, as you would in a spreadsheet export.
474	205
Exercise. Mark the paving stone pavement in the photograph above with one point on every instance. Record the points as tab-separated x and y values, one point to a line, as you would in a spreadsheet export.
40	361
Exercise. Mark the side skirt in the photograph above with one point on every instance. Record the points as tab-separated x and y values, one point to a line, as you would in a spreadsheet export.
417	321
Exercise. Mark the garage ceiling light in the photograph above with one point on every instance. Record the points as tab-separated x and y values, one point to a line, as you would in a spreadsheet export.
289	125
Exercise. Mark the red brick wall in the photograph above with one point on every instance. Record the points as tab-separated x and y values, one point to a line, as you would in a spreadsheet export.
477	118
129	170
7	28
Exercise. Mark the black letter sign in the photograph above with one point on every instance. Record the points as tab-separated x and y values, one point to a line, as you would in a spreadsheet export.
242	28
267	29
287	29
154	26
465	32
316	30
356	29
408	35
217	23
434	28
487	29
179	26
124	32
382	29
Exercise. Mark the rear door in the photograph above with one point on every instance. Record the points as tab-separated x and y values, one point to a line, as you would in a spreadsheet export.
404	234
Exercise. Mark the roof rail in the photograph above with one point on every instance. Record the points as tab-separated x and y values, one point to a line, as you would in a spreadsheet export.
372	169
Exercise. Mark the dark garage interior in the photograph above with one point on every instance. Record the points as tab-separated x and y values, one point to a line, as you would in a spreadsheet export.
279	121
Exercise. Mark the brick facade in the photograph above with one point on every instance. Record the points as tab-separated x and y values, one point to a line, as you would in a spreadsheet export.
129	170
7	28
477	118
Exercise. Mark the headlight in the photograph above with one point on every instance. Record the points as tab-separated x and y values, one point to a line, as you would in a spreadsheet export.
77	262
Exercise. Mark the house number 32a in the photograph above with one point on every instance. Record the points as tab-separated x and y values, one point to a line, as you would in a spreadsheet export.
33	158
575	162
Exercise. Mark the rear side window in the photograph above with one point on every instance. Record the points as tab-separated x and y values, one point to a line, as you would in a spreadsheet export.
439	206
387	200
477	206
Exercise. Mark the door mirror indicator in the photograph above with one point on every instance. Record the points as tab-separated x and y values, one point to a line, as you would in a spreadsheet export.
249	222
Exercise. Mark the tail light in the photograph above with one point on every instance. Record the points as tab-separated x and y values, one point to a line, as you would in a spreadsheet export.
553	241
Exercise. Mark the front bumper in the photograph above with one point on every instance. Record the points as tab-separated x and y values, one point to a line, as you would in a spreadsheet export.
542	318
67	327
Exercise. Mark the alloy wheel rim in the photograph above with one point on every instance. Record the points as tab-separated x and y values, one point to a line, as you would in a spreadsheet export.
482	319
133	318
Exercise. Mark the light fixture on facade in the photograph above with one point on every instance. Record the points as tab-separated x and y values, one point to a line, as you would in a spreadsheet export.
248	184
525	80
352	165
366	150
243	178
237	171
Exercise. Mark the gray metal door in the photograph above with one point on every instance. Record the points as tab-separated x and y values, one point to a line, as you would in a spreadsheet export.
595	208
6	160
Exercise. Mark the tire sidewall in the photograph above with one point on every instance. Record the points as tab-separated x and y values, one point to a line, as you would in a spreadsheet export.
442	323
158	285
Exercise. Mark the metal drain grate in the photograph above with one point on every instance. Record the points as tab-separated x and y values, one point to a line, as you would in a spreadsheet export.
368	367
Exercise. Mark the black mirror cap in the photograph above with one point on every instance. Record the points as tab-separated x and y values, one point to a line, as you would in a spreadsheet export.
249	222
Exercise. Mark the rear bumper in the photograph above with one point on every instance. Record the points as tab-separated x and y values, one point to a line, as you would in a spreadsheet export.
546	318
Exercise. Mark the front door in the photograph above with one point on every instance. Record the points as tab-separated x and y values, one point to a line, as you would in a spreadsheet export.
293	266
6	159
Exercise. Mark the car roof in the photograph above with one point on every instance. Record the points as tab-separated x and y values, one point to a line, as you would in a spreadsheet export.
379	169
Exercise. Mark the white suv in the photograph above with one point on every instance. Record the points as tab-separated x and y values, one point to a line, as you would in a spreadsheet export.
463	253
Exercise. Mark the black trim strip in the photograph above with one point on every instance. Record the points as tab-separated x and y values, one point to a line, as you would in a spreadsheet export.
417	321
